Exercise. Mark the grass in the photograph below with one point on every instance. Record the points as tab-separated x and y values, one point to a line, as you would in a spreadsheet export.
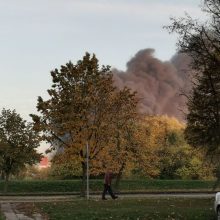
49	186
2	217
131	209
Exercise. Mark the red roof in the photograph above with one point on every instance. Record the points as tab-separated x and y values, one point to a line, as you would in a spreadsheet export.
44	162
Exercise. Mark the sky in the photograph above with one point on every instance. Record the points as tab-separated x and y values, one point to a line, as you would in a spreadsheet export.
37	36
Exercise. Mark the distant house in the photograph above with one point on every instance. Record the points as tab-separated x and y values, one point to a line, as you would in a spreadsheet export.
44	163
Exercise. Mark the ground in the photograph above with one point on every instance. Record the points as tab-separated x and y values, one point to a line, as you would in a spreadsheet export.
124	208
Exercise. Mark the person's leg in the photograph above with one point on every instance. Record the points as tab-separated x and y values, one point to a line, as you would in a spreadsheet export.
104	191
111	193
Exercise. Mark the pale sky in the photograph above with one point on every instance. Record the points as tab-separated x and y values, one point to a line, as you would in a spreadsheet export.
37	36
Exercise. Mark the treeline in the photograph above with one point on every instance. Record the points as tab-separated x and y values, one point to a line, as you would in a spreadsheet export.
162	154
86	111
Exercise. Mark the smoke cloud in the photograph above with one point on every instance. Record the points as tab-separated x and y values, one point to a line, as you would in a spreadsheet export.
159	84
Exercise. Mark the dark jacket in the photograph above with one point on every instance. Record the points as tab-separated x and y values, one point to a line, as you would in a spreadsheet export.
108	178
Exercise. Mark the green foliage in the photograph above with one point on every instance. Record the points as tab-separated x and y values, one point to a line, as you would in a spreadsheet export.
203	124
2	217
96	185
172	157
201	42
184	162
196	166
64	167
32	172
18	143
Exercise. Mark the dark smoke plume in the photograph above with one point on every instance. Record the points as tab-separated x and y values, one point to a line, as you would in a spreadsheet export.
159	84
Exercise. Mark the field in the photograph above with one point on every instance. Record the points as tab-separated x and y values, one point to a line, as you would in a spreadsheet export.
131	209
68	186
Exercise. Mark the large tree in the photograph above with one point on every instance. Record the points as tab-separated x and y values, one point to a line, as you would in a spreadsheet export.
81	110
18	143
124	142
201	41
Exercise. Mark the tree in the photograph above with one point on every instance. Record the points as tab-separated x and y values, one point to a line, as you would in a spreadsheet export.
201	41
80	111
18	143
65	165
166	154
160	138
124	142
121	147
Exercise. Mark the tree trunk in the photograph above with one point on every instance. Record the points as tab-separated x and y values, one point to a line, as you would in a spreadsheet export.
6	182
119	175
2	175
83	186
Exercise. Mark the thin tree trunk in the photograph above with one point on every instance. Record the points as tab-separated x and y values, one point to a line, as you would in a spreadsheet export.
119	175
6	182
83	186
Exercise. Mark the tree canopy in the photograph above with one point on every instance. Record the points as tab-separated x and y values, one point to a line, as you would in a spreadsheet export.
156	149
85	108
201	41
18	143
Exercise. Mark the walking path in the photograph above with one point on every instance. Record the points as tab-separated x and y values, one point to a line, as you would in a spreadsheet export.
9	203
20	199
11	213
24	199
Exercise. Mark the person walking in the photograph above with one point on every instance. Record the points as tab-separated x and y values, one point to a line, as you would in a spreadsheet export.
107	185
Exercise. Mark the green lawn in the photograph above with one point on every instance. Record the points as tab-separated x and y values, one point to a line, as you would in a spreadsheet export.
97	185
131	209
2	216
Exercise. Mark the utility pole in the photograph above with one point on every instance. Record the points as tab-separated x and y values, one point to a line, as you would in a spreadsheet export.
87	169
